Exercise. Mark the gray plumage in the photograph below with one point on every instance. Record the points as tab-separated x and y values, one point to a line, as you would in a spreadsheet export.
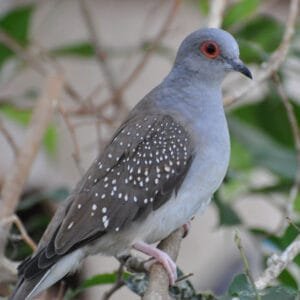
162	165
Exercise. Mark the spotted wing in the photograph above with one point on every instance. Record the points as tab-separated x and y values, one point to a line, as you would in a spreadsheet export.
145	162
142	166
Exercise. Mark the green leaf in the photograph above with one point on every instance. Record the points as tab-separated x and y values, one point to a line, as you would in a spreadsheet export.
16	23
20	116
204	6
107	278
23	117
240	158
280	293
287	279
83	49
242	289
239	12
51	139
264	150
227	215
297	204
270	117
263	30
99	279
251	52
240	284
283	241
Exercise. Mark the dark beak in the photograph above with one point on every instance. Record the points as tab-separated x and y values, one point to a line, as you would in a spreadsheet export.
238	65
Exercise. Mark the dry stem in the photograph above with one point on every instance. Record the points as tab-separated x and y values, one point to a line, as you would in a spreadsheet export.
277	264
10	140
72	132
100	54
217	8
296	135
24	235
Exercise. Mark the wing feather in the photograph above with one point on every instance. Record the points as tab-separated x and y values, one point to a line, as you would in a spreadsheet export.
138	171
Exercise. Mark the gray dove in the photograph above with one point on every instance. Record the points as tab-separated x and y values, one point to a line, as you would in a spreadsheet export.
160	168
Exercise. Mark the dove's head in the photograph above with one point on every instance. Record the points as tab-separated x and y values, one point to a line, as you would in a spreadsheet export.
211	53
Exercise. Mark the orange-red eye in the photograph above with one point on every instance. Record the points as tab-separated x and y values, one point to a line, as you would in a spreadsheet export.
210	49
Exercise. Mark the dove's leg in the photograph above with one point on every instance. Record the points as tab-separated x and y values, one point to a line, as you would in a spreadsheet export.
159	256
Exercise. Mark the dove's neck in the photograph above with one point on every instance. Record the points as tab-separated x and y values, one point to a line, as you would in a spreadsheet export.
190	93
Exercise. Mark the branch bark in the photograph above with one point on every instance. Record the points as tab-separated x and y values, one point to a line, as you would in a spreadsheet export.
100	53
10	140
158	288
216	12
277	264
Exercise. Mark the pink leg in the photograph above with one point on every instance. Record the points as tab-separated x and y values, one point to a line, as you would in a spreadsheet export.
161	257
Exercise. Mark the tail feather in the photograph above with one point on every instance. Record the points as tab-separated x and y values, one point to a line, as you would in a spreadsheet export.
23	288
28	289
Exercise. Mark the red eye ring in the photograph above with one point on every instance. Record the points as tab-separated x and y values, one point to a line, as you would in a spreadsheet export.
210	49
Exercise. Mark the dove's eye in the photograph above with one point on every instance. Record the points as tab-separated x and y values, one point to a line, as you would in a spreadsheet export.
210	49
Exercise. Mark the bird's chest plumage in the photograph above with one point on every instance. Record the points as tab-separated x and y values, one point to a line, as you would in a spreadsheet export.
205	175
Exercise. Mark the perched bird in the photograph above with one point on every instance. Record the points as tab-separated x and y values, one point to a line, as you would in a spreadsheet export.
161	166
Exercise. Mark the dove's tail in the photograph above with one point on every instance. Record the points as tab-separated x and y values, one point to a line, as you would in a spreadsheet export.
29	288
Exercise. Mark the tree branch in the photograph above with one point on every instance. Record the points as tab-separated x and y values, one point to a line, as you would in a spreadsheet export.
72	132
117	285
10	140
247	271
100	53
158	288
24	235
216	12
277	263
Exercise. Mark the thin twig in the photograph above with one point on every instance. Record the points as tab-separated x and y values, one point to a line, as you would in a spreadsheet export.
184	277
17	177
35	64
276	59
296	135
100	53
10	140
72	132
277	263
158	279
216	12
117	285
238	242
293	224
24	234
13	45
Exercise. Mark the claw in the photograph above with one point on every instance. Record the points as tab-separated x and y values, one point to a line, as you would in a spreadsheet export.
158	256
